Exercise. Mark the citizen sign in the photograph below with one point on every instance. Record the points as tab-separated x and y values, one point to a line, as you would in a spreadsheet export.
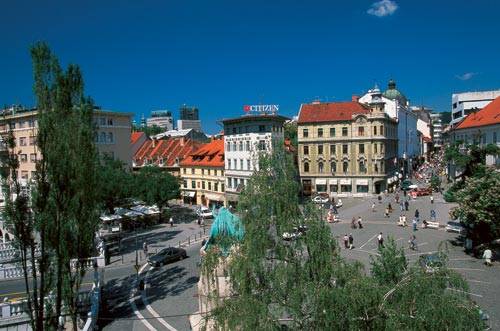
261	108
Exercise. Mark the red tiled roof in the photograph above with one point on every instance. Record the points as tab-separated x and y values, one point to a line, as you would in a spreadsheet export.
330	111
208	155
168	150
487	116
136	136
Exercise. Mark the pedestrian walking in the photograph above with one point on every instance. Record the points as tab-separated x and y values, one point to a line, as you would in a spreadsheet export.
487	257
432	199
351	241
407	204
373	206
414	223
433	215
171	221
360	224
145	248
353	223
413	243
380	239
389	207
417	214
346	241
386	212
401	206
396	198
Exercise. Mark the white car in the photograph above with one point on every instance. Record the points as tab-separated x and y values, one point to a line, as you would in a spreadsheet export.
204	212
339	204
320	199
455	227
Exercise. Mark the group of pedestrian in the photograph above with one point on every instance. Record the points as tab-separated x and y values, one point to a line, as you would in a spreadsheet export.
355	224
348	241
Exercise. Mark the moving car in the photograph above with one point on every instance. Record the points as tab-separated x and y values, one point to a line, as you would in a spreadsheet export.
431	262
320	199
204	212
167	255
456	227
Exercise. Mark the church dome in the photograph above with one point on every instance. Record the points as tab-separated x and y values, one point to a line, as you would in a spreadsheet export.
393	93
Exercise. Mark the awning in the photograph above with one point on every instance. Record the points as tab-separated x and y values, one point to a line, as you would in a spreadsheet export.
214	197
345	182
361	181
320	181
332	181
189	194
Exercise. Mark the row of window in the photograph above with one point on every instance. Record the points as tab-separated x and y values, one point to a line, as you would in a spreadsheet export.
377	166
241	165
104	138
345	148
205	185
343	188
29	123
23	158
24	174
244	146
103	121
478	138
345	132
203	171
23	141
249	129
233	182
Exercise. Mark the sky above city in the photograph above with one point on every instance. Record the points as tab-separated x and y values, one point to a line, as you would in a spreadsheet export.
139	56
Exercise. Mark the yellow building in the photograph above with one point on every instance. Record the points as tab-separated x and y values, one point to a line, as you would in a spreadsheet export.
202	174
112	136
346	148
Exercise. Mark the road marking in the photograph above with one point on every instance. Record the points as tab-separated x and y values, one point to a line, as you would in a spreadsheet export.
136	311
478	281
376	234
365	251
146	302
399	239
462	259
476	295
470	269
423	253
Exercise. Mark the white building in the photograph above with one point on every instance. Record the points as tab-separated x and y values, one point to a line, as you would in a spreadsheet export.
162	119
437	129
398	108
244	138
462	104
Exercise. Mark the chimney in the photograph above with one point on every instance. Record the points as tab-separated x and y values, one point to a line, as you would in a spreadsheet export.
355	98
154	142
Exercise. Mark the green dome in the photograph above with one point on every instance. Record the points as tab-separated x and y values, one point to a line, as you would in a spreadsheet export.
393	94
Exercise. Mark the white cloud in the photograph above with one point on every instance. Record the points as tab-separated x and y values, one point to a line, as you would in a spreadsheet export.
466	76
383	8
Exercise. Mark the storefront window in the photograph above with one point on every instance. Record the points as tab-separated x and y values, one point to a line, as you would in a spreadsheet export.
346	188
362	188
320	188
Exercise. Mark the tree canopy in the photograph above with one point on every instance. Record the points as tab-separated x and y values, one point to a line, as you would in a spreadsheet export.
305	284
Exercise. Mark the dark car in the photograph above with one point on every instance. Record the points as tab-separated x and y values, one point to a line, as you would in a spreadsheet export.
405	185
167	255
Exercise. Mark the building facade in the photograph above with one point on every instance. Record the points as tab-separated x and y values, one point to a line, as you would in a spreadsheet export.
397	106
462	104
112	136
245	138
437	132
162	119
480	128
346	148
189	118
202	174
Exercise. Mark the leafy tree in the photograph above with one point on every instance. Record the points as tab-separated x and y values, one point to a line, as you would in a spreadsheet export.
306	285
291	132
157	187
479	206
435	183
469	158
115	183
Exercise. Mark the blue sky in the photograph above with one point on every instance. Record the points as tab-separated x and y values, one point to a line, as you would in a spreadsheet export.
138	56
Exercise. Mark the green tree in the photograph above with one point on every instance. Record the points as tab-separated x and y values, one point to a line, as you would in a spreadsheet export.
306	285
156	186
479	206
65	199
116	184
291	132
435	183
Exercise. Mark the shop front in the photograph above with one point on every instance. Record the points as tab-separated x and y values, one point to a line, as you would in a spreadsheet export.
189	197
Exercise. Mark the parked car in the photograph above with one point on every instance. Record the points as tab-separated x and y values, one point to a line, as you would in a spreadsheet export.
204	212
339	203
494	246
431	262
167	255
423	191
321	199
456	227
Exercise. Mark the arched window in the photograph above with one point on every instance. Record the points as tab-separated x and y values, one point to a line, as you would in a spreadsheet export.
345	166
103	138
333	166
362	167
306	167
320	167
